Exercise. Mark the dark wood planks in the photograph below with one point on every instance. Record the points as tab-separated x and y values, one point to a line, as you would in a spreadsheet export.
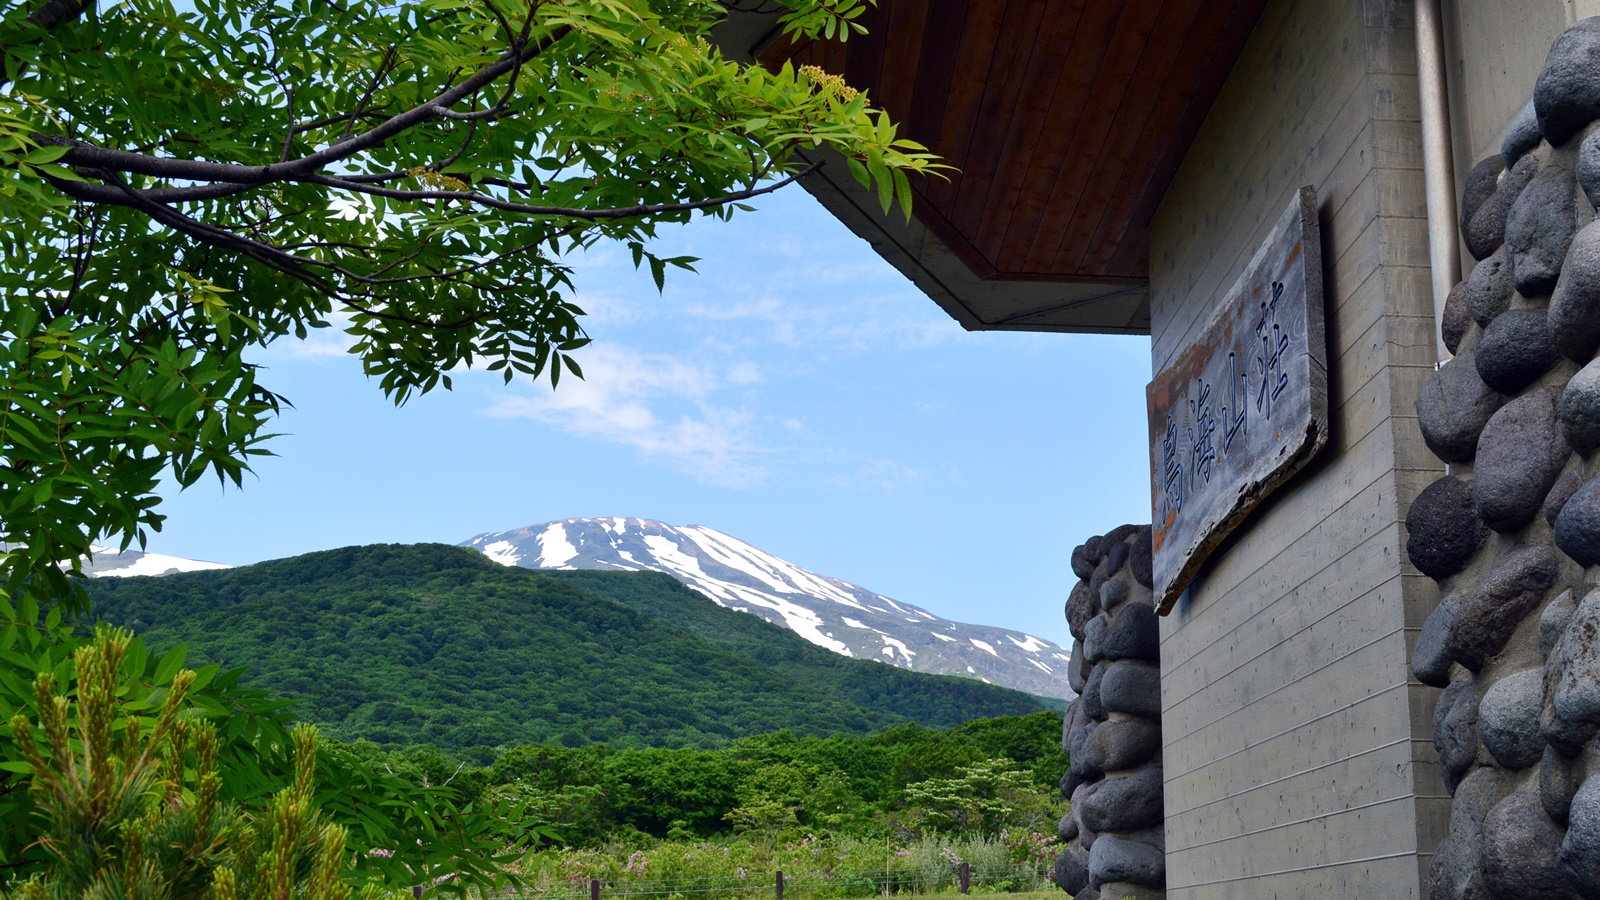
1065	118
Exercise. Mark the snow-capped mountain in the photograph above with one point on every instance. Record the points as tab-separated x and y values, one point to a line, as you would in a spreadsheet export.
107	562
835	614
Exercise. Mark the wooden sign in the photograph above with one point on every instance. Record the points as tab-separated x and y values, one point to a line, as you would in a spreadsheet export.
1244	406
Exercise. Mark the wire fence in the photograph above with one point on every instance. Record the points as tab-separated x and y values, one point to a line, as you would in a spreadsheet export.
964	877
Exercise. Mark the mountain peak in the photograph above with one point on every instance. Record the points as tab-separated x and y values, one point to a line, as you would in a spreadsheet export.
840	616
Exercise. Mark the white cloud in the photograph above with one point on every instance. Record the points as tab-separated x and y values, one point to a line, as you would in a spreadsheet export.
661	406
332	342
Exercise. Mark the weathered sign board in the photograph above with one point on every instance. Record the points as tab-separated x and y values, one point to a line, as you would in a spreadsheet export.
1244	406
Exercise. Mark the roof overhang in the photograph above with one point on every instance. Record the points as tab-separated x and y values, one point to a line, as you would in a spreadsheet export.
1066	120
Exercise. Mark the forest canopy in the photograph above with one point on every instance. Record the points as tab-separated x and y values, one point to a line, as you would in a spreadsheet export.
439	645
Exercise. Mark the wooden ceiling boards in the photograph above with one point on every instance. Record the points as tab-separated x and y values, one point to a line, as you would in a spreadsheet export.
1066	120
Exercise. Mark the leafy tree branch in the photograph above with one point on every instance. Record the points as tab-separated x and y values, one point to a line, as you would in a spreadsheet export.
179	189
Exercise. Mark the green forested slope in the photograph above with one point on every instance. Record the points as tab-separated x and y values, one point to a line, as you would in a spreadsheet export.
436	644
901	691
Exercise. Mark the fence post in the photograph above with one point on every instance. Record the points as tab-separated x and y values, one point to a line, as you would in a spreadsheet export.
966	876
780	884
594	889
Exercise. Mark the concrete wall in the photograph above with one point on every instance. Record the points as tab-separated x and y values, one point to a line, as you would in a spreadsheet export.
1494	51
1297	747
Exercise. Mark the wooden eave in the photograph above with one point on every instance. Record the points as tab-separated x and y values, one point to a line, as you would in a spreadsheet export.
1066	120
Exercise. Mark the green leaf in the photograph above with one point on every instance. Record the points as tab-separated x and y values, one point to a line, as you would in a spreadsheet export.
658	272
170	663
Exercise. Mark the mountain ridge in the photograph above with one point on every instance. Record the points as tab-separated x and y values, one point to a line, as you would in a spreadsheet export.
830	613
432	643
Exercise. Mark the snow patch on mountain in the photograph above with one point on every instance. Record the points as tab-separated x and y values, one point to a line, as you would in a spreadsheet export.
108	562
843	617
554	548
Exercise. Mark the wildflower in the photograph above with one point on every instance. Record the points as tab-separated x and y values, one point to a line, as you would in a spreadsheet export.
826	83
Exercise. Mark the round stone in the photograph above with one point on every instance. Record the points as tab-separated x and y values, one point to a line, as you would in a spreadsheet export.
1132	688
1141	559
1520	455
1508	719
1558	784
1077	668
1095	548
1566	96
1556	500
1128	743
1455	871
1090	696
1486	232
1098	578
1135	634
1540	228
1489	613
1553	621
1522	136
1078	761
1072	871
1580	850
1589	168
1515	350
1115	557
1575	304
1123	802
1489	288
1576	667
1443	529
1079	730
1082	605
1577	528
1482	182
1580	409
1430	660
1521	849
1072	724
1457	318
1094	638
1067	827
1454	406
1115	859
1070	782
1455	732
1120	534
1086	835
1082	565
1113	592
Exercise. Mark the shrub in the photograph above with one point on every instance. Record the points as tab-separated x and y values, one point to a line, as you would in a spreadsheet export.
130	807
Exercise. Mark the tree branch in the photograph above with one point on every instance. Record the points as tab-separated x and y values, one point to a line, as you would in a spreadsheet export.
85	155
570	212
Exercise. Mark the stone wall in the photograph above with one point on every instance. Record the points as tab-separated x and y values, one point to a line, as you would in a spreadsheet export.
1115	845
1512	532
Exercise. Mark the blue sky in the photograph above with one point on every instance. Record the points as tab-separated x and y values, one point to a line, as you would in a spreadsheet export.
798	394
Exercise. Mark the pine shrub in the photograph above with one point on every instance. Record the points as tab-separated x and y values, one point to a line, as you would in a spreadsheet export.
128	810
